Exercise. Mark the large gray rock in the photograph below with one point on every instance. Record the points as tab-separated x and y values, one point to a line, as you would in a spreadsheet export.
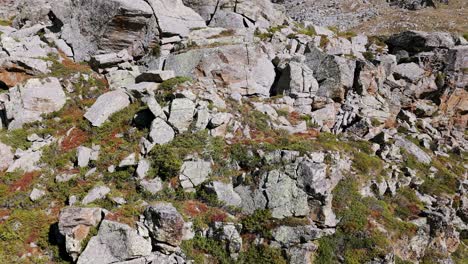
194	173
296	78
238	14
100	27
252	199
312	177
413	149
27	161
335	74
225	193
161	132
288	236
75	224
110	59
152	186
417	41
284	197
174	18
115	242
243	70
106	105
228	233
6	156
181	114
165	224
157	257
409	71
29	101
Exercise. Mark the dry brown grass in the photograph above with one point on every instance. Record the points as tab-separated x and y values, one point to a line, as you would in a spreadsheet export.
452	17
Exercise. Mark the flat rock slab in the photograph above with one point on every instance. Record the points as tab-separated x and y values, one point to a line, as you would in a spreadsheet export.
106	105
29	101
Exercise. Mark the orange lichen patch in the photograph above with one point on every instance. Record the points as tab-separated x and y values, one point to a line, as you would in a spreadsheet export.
25	182
194	208
4	213
74	139
11	79
294	118
309	134
81	232
174	182
71	65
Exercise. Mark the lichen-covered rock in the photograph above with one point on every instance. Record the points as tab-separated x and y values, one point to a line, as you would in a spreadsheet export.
115	242
36	97
181	115
225	193
284	197
228	64
96	193
194	173
106	105
75	224
165	224
6	156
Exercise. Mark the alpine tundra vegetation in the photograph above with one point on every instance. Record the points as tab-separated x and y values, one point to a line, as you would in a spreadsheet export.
233	131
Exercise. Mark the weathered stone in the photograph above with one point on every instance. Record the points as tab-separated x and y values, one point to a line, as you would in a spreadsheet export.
194	173
251	199
409	71
161	132
100	27
181	114
29	101
110	59
74	224
6	156
297	78
83	156
26	162
227	66
36	194
225	193
106	105
152	186
228	233
164	223
174	18
115	242
284	198
417	41
335	74
143	168
96	193
130	160
289	236
413	149
122	79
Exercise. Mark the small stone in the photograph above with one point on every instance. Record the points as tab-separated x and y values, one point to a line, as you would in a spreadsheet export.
36	194
152	186
83	156
130	160
97	193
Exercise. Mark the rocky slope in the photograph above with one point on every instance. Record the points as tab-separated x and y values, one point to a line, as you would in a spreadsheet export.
170	131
